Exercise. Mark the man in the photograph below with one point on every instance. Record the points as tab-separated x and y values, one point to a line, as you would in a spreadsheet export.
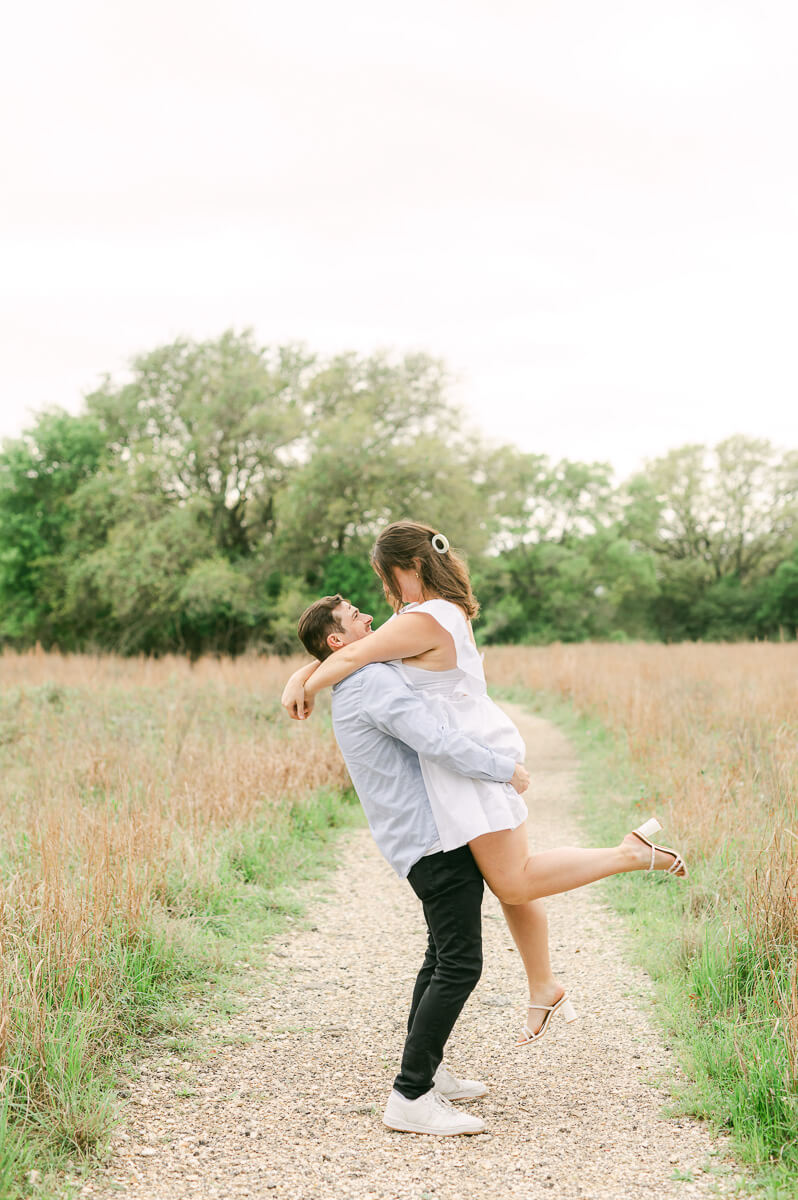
380	725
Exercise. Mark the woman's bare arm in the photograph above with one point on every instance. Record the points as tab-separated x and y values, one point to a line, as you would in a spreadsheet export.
303	674
411	634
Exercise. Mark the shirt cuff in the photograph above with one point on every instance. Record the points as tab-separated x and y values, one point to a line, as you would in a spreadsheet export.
506	767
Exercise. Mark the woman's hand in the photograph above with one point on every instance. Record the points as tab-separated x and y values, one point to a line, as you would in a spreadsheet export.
520	779
294	701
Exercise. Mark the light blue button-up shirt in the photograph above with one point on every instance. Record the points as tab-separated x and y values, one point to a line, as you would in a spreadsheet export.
382	726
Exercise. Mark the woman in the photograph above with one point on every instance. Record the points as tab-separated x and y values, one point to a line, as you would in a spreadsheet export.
430	635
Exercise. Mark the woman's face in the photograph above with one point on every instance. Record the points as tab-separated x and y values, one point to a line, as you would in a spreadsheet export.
409	584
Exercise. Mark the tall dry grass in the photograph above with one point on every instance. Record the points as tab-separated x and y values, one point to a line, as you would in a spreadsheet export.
120	781
712	728
712	734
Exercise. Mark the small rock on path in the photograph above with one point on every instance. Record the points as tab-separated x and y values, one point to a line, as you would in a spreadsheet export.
295	1114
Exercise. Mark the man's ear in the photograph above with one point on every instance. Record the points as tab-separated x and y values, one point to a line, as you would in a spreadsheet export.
334	641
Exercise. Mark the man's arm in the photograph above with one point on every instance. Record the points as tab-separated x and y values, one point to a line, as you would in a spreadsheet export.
393	707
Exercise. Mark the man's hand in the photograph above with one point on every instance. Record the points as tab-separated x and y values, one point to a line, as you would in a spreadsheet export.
295	702
520	779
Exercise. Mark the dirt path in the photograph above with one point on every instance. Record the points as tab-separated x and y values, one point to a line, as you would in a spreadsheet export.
296	1113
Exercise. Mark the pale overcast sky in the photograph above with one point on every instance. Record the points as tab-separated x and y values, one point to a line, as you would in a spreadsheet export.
588	209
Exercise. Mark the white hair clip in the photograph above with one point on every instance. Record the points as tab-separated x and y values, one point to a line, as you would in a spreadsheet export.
440	543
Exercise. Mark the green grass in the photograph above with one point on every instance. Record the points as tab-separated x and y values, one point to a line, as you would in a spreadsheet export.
58	1102
716	978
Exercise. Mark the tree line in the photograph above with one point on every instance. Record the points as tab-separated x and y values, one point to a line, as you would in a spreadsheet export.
200	504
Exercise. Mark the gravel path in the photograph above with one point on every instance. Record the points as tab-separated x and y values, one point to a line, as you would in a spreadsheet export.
295	1112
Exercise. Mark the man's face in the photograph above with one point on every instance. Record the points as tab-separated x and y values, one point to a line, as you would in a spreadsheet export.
356	625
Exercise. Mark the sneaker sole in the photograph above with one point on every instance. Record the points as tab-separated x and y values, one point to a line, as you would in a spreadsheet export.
464	1095
406	1128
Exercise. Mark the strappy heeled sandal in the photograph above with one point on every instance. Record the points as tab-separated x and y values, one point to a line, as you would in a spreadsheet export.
563	1005
678	867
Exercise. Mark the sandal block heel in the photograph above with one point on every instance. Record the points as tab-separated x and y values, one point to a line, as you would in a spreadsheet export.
568	1011
563	1005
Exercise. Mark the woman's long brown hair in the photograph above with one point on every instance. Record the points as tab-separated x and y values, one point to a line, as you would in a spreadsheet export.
408	545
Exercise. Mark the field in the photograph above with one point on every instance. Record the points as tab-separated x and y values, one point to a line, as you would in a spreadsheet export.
151	810
706	736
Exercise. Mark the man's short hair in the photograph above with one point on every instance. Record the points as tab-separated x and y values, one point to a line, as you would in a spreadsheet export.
317	623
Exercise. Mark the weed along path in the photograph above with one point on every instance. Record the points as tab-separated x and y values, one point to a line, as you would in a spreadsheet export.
287	1099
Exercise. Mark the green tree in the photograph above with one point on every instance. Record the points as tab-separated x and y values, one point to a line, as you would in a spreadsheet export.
535	500
200	504
40	473
778	609
565	571
221	421
132	587
597	586
734	510
383	443
718	523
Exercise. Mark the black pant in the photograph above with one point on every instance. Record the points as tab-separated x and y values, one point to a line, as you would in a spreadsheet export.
450	888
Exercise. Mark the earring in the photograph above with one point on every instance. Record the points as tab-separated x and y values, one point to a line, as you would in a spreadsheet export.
416	574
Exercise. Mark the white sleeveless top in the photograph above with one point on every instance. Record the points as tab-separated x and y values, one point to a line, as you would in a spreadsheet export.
465	808
453	620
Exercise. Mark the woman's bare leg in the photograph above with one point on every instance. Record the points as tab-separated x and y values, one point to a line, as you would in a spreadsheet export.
515	875
529	927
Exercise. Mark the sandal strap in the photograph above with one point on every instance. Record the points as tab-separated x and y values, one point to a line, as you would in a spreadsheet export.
647	842
678	861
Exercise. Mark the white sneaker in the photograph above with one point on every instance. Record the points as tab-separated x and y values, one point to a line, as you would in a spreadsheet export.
430	1113
453	1088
